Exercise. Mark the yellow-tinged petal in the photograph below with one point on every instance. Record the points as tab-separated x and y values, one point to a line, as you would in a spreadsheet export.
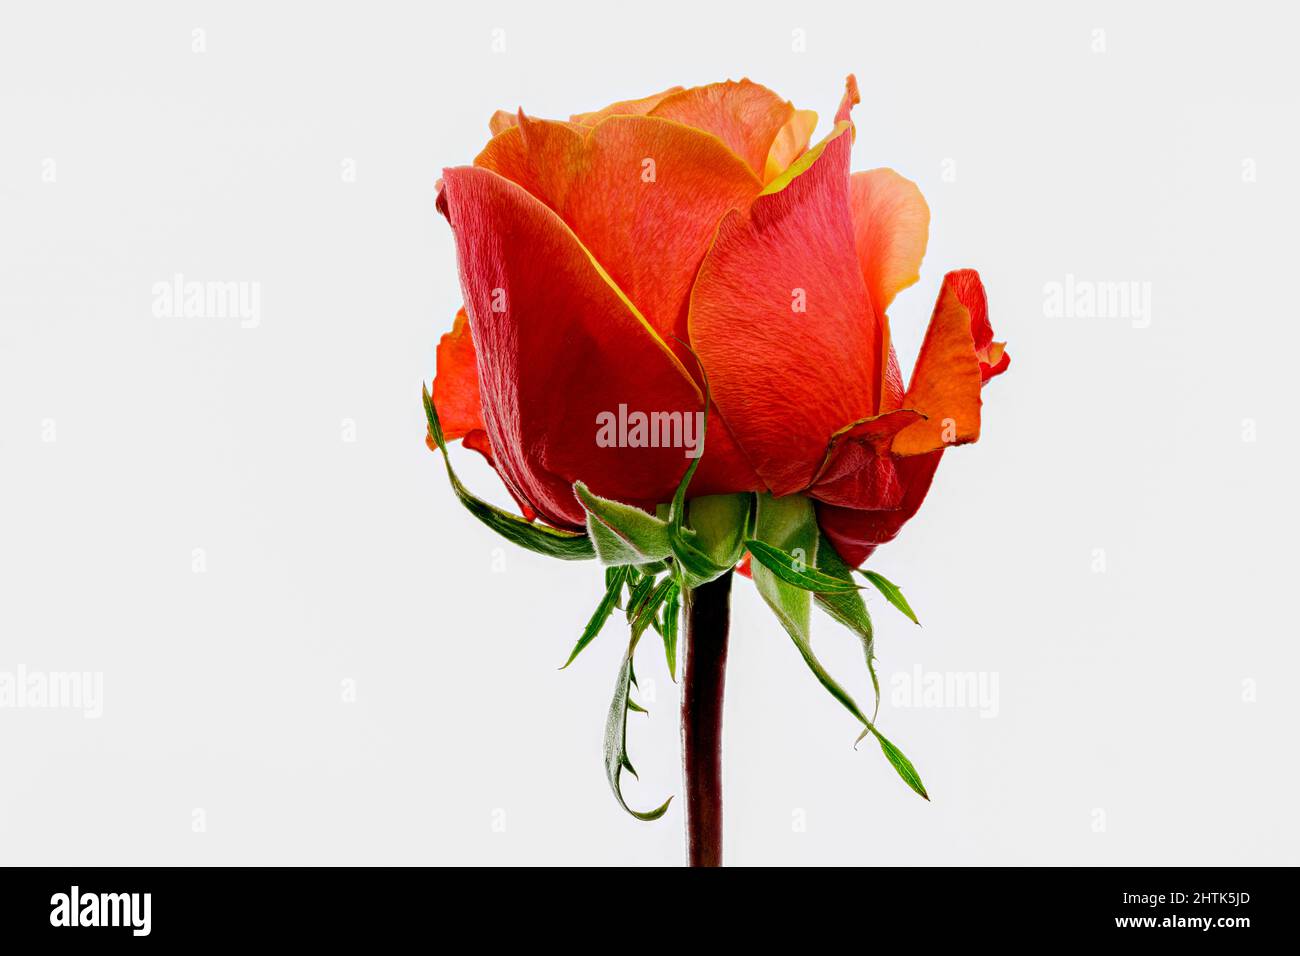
790	143
891	225
745	115
952	365
638	107
502	120
781	318
643	194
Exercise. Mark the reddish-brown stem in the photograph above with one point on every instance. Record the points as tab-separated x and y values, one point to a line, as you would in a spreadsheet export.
704	673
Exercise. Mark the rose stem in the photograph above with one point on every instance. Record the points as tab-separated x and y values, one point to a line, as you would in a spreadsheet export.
704	673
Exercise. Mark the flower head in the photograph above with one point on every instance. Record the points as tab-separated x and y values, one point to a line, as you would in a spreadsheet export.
615	262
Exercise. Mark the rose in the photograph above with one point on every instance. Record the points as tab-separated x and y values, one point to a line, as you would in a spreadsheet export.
627	268
625	258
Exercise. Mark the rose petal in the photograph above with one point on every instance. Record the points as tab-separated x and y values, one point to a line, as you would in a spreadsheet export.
558	345
456	396
644	195
638	107
785	380
455	387
744	568
790	143
859	471
891	386
745	115
993	361
502	120
856	533
956	355
891	224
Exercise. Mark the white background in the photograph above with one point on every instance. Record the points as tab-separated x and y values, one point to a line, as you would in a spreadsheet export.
1147	713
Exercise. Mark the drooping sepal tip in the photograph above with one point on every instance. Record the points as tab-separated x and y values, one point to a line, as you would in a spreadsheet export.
552	542
891	592
787	535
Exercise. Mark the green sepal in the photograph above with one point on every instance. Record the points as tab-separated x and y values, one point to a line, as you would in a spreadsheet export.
668	628
849	609
616	758
790	525
677	509
647	610
613	589
552	542
720	523
796	570
891	592
637	597
616	573
623	534
694	567
901	764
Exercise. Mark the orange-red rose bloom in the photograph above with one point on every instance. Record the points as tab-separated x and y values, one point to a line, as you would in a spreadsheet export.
605	259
